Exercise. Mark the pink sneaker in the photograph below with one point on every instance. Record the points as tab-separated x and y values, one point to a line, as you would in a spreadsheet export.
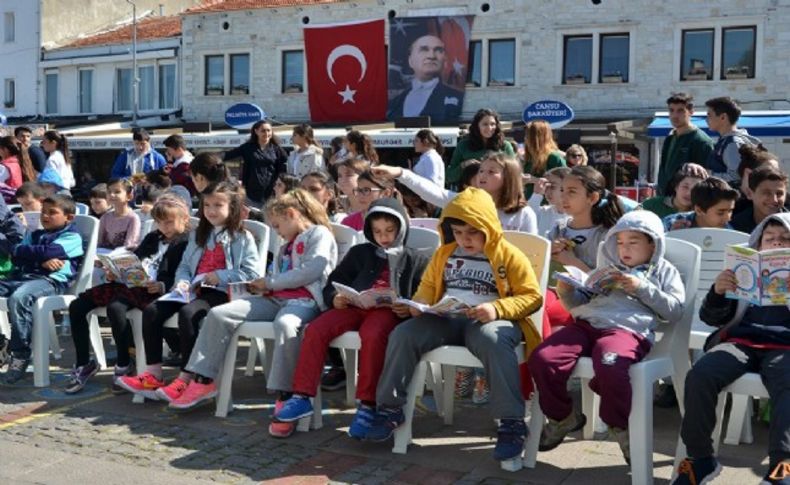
193	395
144	384
280	429
172	391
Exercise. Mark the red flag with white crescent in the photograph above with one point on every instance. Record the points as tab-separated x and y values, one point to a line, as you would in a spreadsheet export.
346	71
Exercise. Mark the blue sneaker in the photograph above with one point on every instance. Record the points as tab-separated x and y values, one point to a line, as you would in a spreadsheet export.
362	420
697	472
294	409
510	439
384	423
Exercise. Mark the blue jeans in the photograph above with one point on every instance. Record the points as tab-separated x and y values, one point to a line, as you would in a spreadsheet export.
22	296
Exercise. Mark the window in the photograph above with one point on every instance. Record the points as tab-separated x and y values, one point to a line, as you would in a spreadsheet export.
239	74
86	91
9	27
215	75
167	86
738	52
614	58
124	95
10	93
147	100
293	72
577	59
51	103
474	74
696	56
502	62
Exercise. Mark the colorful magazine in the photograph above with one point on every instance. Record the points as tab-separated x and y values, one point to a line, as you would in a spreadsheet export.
763	276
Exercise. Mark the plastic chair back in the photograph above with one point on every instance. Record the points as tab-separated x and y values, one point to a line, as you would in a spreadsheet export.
345	238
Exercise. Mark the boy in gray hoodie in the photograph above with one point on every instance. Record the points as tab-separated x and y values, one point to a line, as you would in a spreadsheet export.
750	339
615	328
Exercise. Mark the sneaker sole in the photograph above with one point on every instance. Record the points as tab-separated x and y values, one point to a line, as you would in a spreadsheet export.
147	393
95	371
186	407
573	430
292	419
162	396
276	434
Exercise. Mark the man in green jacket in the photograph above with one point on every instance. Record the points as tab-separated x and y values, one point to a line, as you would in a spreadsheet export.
685	144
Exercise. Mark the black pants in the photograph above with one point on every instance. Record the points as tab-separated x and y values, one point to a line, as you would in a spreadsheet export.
716	370
189	317
80	330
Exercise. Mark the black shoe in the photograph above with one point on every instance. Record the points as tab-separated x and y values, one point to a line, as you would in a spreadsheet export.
697	472
119	372
5	355
15	373
334	379
665	397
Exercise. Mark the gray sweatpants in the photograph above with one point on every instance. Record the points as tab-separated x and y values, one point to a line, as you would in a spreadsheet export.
221	323
493	343
719	367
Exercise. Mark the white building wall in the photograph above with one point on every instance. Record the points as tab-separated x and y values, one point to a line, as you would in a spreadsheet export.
18	59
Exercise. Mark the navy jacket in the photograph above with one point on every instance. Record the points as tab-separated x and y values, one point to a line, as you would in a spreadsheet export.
444	104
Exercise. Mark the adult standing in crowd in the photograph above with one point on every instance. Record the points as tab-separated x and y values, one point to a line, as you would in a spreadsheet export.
724	160
138	160
686	144
360	146
430	165
37	156
541	152
179	160
485	135
307	155
575	155
263	159
58	157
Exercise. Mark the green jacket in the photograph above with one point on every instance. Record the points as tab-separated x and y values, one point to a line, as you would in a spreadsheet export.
462	153
659	205
692	147
555	160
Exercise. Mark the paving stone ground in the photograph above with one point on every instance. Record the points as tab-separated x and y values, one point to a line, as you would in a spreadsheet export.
96	437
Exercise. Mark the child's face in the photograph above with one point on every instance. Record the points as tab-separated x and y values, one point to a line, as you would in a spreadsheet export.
634	248
199	181
553	191
470	239
489	177
99	205
575	199
347	180
718	215
29	203
683	192
279	188
117	196
286	224
769	197
317	189
774	237
216	209
385	231
171	225
53	217
366	192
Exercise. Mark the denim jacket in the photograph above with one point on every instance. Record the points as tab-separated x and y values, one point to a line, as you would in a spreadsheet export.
242	262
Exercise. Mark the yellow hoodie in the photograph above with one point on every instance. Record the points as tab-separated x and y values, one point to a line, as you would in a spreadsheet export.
519	293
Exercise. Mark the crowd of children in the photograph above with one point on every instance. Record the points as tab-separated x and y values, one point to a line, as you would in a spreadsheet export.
190	268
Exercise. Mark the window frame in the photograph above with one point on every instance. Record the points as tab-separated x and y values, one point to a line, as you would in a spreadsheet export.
708	77
753	66
469	69
229	61
90	94
47	75
117	89
565	39
206	75
154	91
624	76
485	61
12	82
630	28
6	16
159	66
283	73
488	67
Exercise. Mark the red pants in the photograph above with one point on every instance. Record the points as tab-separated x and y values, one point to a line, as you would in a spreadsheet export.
613	352
554	315
374	327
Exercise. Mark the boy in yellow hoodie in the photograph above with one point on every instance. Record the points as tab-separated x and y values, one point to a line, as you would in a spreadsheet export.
478	266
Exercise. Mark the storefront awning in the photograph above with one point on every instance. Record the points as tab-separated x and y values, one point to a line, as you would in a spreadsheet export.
757	123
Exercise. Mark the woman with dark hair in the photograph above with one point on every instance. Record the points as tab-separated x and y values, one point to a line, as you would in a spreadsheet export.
263	160
57	148
485	135
15	165
430	165
359	145
306	156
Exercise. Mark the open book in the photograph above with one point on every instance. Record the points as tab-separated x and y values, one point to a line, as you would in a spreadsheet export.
238	290
597	282
374	297
126	267
449	306
185	294
763	276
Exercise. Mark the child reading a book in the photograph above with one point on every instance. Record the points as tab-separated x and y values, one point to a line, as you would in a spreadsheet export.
750	338
476	265
712	200
160	254
219	251
381	263
615	328
119	227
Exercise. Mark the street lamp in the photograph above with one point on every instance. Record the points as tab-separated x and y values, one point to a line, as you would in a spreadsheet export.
613	168
135	78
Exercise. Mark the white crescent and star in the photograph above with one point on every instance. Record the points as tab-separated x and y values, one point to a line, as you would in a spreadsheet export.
342	51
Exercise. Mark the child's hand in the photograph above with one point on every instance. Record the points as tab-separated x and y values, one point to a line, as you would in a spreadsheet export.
563	287
182	286
627	282
257	287
541	185
562	245
565	258
108	275
695	170
155	287
726	281
680	224
401	310
53	264
340	302
527	179
387	171
483	313
211	279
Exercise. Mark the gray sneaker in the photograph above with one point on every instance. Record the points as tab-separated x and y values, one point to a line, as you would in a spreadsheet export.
556	431
16	371
80	376
623	439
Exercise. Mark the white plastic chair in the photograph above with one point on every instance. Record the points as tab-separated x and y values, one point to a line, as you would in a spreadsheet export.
713	243
44	334
345	238
146	225
668	357
425	222
82	209
425	241
538	250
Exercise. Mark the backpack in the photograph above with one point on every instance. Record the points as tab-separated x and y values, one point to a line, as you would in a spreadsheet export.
716	163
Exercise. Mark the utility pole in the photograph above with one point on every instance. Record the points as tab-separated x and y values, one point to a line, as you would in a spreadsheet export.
135	77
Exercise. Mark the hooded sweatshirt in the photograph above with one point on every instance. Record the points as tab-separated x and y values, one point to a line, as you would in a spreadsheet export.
724	159
660	296
761	327
515	281
364	263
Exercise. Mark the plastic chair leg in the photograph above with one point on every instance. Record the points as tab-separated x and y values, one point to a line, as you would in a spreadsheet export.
448	393
224	397
590	405
136	319
719	414
350	364
40	343
746	435
535	428
640	428
739	414
54	340
267	355
5	326
252	355
97	343
318	418
434	381
403	433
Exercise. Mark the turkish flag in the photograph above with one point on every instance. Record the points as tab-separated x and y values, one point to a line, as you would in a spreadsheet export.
346	72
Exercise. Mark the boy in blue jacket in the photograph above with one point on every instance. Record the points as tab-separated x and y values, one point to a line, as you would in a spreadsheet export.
45	263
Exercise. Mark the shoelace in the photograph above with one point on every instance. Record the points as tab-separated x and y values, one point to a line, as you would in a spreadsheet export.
781	471
686	468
